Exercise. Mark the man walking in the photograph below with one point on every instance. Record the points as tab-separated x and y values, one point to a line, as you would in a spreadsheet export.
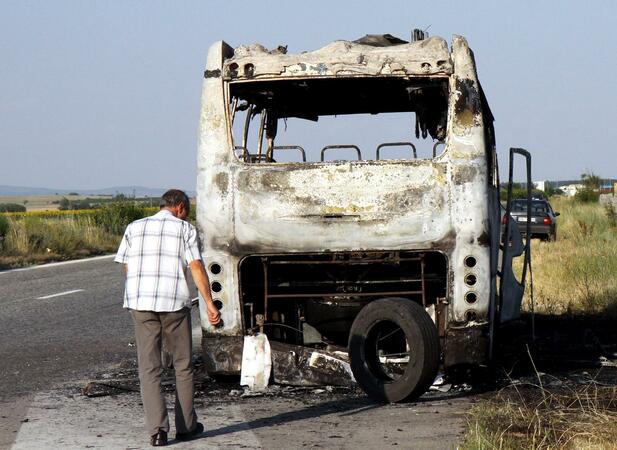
155	252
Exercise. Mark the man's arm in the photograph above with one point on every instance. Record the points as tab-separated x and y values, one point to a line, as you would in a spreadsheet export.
200	277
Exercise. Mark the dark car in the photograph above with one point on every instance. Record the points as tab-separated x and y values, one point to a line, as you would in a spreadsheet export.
543	218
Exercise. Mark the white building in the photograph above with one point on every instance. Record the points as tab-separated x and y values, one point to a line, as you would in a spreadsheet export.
571	189
541	185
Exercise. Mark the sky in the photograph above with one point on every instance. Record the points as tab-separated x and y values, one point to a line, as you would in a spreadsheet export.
97	94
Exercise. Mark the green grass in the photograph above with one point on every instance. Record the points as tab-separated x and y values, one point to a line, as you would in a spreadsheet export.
35	238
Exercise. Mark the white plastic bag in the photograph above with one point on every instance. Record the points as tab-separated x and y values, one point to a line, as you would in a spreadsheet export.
256	362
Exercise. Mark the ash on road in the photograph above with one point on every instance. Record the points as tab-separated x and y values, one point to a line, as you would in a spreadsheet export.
63	326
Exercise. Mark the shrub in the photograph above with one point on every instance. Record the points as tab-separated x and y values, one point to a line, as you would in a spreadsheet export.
611	215
39	238
587	195
12	207
4	229
115	216
519	192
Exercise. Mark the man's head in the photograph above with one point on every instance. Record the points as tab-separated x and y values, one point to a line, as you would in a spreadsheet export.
177	202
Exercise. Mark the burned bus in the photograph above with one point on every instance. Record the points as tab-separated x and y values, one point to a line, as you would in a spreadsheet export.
381	240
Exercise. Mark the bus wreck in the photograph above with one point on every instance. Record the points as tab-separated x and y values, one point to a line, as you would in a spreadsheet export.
384	253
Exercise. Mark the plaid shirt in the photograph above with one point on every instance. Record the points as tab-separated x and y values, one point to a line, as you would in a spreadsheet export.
156	250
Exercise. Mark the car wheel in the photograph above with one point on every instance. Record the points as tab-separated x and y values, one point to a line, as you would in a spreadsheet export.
394	350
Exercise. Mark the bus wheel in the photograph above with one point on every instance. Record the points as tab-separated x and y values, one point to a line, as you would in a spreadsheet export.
394	350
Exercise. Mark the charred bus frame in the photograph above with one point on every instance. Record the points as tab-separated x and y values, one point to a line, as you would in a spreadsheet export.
396	261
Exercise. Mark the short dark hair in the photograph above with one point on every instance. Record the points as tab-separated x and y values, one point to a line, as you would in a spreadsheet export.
174	197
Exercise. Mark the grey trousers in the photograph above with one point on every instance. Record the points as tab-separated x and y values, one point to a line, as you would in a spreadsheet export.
175	328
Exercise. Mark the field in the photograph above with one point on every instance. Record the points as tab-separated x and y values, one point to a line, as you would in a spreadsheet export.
578	272
555	404
42	236
47	202
574	280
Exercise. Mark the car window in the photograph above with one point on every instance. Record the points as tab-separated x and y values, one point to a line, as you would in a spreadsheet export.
538	207
519	206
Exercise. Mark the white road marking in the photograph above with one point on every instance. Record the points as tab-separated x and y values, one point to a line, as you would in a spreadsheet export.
59	294
63	263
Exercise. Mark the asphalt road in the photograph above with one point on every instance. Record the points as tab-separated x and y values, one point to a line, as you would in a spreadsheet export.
62	325
57	322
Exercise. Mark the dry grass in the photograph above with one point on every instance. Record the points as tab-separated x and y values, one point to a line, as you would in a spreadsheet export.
546	413
42	236
577	273
33	239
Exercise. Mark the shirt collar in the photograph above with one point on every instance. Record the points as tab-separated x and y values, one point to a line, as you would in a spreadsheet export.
164	212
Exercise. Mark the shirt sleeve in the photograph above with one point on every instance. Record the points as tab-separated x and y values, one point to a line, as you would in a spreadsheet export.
191	243
122	255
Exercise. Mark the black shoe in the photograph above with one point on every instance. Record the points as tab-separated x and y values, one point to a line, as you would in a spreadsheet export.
159	439
199	428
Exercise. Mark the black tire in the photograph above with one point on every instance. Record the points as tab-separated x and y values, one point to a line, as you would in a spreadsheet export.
419	335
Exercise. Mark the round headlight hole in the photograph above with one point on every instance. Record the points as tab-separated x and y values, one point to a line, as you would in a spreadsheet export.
470	261
215	268
471	297
216	287
470	279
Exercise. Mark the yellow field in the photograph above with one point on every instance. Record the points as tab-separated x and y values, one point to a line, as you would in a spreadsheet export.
45	202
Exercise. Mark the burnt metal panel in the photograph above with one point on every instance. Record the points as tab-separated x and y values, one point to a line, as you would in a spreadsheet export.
222	354
466	345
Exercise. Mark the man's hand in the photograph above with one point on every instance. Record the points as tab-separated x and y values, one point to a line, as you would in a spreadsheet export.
214	315
200	277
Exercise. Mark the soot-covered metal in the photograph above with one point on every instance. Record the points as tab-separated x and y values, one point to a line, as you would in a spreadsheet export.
392	262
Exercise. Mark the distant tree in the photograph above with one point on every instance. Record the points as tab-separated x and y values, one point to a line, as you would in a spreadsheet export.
12	207
119	197
551	191
73	193
65	204
591	181
519	192
81	204
590	192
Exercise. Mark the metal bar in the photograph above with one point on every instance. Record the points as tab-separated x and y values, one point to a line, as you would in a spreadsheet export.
422	279
234	106
323	150
245	135
327	282
494	313
266	296
350	294
360	262
291	147
395	144
435	147
260	137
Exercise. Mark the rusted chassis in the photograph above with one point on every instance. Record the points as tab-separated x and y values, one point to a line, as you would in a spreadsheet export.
465	346
446	205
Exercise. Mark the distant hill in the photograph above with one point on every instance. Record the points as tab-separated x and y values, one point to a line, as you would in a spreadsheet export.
129	191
